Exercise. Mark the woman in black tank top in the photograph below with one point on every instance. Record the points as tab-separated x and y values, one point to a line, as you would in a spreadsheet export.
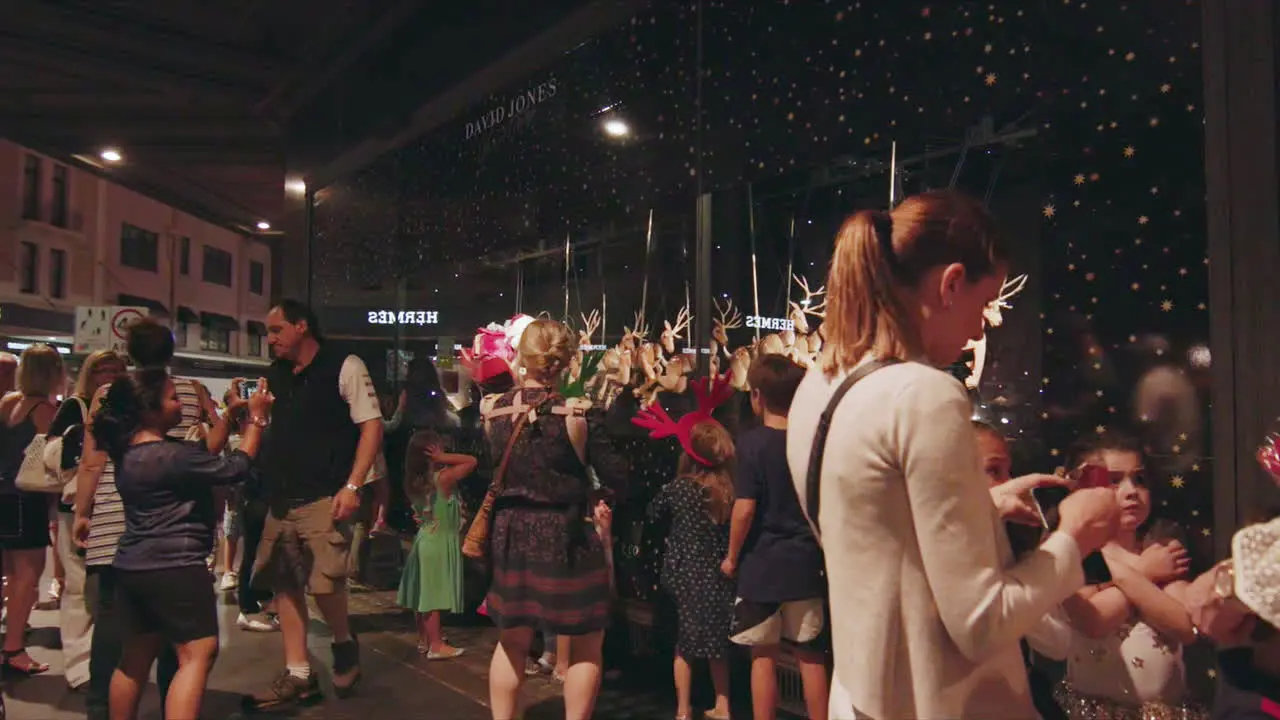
24	517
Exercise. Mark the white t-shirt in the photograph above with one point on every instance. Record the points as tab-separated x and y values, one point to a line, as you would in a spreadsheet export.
927	604
357	389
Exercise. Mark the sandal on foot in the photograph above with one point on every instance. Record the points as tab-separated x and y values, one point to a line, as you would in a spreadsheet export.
444	655
713	715
27	669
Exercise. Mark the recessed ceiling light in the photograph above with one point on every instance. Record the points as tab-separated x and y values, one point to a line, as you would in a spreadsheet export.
616	128
111	155
264	225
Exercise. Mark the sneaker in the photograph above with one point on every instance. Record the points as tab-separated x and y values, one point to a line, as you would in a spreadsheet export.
258	622
229	581
538	667
285	691
55	591
346	667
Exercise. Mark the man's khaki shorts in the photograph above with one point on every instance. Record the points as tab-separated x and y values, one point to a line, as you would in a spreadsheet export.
302	548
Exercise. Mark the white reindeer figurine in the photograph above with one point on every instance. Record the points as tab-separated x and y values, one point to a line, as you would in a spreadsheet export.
993	317
805	343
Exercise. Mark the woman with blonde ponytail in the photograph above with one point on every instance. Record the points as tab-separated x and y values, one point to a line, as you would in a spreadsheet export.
549	567
927	604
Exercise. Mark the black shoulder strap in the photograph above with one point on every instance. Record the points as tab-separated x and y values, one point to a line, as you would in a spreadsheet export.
812	483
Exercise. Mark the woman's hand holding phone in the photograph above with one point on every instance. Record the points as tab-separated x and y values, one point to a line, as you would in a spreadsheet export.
1090	516
1015	501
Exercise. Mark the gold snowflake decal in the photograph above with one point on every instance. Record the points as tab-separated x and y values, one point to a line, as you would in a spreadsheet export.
1177	482
1166	305
991	79
1079	179
1130	151
1049	211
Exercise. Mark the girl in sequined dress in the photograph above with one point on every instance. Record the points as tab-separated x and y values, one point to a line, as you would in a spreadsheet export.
1129	630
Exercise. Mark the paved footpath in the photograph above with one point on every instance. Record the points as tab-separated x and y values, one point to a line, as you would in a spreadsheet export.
398	683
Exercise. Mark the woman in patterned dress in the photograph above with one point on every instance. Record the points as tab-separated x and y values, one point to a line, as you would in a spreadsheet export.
549	567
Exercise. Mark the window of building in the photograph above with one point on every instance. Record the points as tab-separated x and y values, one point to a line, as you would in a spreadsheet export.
256	271
215	339
31	188
180	334
217	266
139	248
255	345
184	255
57	273
58	210
29	268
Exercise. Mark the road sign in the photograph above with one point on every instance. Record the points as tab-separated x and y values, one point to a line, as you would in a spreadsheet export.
104	327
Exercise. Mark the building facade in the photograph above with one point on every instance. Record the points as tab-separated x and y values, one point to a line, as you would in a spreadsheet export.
69	238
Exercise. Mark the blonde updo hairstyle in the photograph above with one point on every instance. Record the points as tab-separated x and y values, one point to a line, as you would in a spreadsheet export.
546	348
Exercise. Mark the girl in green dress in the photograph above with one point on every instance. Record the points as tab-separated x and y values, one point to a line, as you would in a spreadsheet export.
432	579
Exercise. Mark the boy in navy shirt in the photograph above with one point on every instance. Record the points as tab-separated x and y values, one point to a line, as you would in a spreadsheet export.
772	550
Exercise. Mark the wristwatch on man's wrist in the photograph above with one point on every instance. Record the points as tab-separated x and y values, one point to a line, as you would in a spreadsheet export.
259	421
352	487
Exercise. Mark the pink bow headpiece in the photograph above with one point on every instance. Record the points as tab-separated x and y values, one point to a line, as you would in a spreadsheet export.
494	348
710	393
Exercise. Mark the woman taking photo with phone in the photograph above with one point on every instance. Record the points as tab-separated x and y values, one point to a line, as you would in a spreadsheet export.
163	589
927	602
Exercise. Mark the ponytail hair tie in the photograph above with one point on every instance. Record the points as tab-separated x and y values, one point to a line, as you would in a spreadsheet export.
882	223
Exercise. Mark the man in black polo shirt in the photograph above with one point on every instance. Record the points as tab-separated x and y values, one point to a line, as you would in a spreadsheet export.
326	429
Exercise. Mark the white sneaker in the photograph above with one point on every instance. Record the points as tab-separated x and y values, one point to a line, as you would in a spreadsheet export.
229	581
258	622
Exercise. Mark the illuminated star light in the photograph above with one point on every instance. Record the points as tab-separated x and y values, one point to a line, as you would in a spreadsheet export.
1049	211
1130	151
991	79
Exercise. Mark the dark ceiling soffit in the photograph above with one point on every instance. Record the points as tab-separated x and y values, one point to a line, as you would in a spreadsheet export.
520	63
296	92
128	73
77	27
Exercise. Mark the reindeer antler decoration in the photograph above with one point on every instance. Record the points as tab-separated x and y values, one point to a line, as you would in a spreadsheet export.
671	333
590	323
1008	290
808	306
727	318
709	393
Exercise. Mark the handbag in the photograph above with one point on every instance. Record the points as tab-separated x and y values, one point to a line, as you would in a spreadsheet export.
476	543
813	478
55	456
33	476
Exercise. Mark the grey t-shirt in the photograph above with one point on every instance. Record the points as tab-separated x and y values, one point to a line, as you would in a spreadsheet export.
167	489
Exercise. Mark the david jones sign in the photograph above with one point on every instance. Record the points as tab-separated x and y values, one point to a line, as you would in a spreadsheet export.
521	103
404	317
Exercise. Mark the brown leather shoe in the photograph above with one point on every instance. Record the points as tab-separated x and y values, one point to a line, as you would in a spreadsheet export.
284	692
346	667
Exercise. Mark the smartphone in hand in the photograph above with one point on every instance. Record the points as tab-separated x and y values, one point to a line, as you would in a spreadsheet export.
247	388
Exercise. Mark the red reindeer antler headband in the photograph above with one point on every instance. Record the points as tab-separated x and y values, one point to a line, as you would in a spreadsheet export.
710	393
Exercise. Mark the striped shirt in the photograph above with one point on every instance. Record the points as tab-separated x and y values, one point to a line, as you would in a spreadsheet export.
108	509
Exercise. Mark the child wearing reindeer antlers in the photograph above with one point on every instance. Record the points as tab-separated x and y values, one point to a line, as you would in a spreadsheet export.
698	502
